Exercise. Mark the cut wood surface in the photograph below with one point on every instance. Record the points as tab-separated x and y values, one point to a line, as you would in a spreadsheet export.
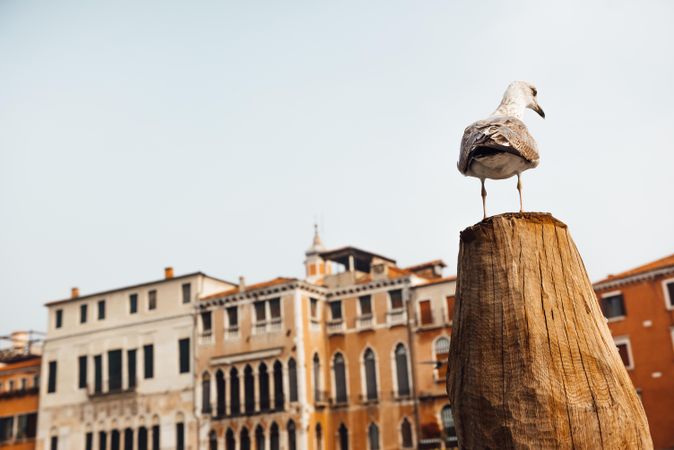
532	363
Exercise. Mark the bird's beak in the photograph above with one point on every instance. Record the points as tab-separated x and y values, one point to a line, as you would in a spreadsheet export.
539	110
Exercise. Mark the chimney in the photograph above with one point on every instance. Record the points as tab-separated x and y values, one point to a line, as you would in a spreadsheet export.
74	292
168	272
242	284
20	341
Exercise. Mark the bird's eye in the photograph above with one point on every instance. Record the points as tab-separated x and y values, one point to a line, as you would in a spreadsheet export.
534	91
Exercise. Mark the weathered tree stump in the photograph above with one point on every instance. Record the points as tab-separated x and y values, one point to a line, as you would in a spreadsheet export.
532	363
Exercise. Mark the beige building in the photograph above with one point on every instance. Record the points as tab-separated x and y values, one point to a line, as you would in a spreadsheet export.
117	367
333	361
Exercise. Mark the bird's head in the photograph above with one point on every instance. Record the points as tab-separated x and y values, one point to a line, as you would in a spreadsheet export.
525	94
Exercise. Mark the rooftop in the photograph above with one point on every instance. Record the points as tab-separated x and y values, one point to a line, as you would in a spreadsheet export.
662	263
362	259
251	287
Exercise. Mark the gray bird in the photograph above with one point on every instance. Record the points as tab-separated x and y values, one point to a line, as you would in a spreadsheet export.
500	146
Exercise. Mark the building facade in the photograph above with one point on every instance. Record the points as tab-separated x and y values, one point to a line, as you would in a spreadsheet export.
350	357
19	389
118	367
639	307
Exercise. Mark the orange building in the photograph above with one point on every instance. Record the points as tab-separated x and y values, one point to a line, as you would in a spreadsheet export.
351	357
19	389
639	307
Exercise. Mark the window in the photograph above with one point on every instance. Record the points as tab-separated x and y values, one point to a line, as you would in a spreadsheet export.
249	390
180	436
206	325
230	440
133	303
128	439
260	316
220	393
396	298
51	380
10	387
668	286
82	371
450	308
148	360
131	367
259	438
187	292
142	438
343	434
441	350
370	374
365	303
24	384
245	439
83	313
6	429
339	369
184	355
292	439
152	300
336	310
448	426
278	386
58	319
89	441
101	309
26	426
98	373
625	351
319	437
233	319
155	437
406	433
205	393
313	307
263	385
373	436
102	440
115	370
402	374
317	377
235	405
54	443
613	306
425	313
114	440
275	310
292	379
36	381
212	440
274	441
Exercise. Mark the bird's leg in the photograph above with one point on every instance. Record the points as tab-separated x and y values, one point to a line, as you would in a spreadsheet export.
519	188
484	200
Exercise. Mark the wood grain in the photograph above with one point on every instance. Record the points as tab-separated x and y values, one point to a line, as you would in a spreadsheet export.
532	363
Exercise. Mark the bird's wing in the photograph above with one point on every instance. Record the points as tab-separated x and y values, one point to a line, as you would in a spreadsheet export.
501	133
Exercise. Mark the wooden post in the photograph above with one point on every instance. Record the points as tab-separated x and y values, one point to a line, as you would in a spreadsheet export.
532	363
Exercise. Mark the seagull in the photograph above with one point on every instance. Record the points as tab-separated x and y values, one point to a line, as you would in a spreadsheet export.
500	146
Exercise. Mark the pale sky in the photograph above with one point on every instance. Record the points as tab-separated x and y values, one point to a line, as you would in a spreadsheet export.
211	135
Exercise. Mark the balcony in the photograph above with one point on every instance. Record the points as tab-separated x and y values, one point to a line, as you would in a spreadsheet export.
321	399
365	322
336	326
206	338
396	317
232	332
15	393
97	392
273	325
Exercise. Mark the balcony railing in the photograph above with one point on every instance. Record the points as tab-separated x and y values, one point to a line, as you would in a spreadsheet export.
94	391
268	326
206	338
21	392
321	398
232	332
336	326
275	325
365	322
397	317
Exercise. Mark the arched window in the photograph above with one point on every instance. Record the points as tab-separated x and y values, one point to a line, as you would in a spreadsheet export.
441	350
292	379
274	441
205	393
406	433
448	425
278	386
373	436
263	380
245	439
249	390
128	439
142	438
370	364
401	371
230	440
234	398
259	438
212	440
155	435
319	437
317	377
220	392
343	437
114	440
339	370
102	440
292	438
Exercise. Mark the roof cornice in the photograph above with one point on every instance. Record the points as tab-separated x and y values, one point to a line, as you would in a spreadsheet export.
651	274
